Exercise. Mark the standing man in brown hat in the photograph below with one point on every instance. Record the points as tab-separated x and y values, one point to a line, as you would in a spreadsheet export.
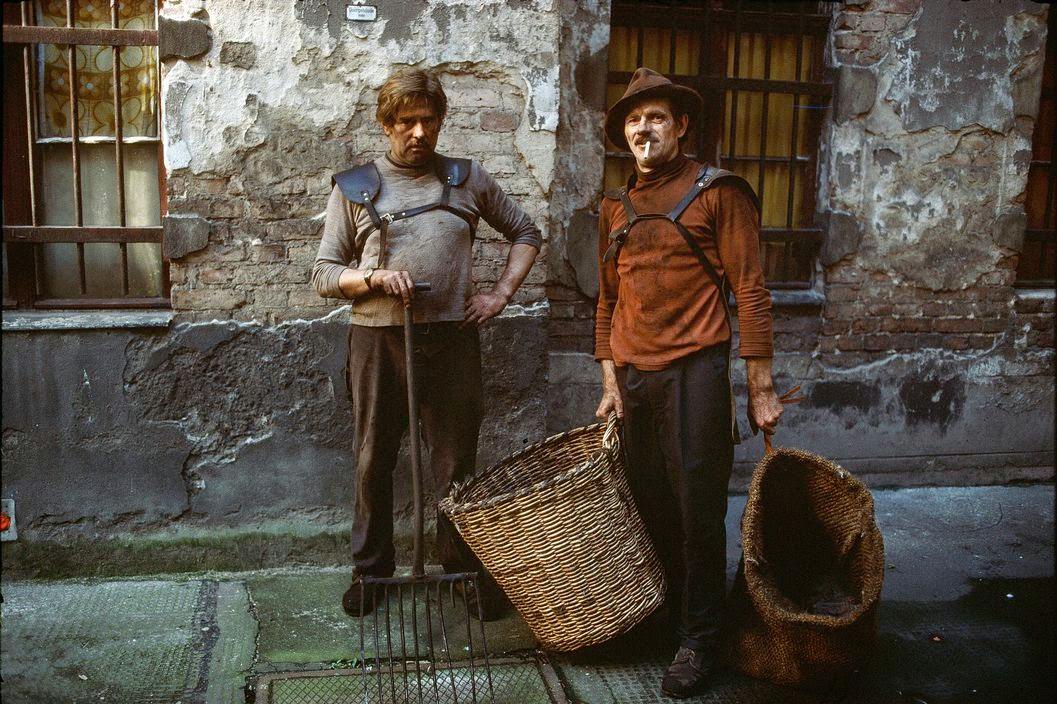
409	216
673	244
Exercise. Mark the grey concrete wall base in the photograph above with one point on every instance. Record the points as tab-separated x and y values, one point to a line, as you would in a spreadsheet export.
929	418
217	424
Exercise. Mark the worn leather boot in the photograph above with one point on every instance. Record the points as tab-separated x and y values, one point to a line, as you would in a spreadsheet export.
687	674
359	597
491	606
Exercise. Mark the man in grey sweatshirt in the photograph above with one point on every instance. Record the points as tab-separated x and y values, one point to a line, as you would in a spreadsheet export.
405	217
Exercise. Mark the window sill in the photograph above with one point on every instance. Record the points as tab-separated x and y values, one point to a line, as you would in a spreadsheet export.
1035	294
42	321
792	298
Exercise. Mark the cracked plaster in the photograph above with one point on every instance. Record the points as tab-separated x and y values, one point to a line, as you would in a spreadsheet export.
937	206
323	73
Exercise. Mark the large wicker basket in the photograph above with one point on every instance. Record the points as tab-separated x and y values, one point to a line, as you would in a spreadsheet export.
557	528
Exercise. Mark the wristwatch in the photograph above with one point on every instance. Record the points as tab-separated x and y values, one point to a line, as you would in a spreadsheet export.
367	274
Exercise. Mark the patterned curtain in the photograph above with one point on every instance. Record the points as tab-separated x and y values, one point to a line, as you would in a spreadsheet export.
95	92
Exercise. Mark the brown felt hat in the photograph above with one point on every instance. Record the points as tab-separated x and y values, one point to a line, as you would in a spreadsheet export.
646	83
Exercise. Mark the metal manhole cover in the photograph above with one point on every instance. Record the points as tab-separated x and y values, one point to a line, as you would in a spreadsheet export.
513	681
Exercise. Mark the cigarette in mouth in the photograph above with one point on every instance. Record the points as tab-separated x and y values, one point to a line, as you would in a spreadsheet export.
646	151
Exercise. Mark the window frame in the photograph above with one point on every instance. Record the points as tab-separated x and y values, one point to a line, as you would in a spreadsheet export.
1049	168
712	83
23	234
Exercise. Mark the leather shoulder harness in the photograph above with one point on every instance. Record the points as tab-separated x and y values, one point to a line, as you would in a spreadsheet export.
361	185
706	178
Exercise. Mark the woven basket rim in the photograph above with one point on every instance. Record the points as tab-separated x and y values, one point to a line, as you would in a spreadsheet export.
451	506
751	561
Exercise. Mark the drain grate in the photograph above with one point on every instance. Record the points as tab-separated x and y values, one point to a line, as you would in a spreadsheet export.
116	641
513	681
639	683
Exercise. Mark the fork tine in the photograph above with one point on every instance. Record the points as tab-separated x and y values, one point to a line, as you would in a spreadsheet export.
469	636
447	650
429	638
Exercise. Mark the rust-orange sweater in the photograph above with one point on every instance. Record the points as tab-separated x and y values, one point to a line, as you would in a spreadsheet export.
657	304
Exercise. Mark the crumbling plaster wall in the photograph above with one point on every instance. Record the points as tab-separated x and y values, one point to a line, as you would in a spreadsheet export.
923	179
572	283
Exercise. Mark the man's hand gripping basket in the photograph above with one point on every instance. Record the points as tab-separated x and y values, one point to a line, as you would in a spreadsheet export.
556	526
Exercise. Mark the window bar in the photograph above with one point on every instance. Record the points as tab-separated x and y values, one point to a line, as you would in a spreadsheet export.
766	99
1051	194
704	47
118	148
28	69
641	33
31	126
163	206
671	48
734	91
793	146
787	248
71	56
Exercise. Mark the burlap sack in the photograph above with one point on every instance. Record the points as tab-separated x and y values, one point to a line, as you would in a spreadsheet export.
803	610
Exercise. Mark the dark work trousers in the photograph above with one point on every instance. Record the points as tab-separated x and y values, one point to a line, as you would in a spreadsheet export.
448	376
680	449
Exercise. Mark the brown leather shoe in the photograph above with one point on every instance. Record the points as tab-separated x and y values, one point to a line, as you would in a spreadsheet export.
687	674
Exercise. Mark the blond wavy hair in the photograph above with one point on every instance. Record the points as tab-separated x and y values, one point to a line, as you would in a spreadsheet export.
407	87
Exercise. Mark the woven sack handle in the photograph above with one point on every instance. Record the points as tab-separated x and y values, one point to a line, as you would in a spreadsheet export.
788	397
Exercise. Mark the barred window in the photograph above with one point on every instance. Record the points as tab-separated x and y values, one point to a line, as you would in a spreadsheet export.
760	69
84	186
1037	266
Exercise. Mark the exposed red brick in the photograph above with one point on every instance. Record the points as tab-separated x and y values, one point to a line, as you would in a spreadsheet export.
866	325
499	121
993	325
849	342
1028	305
875	343
207	299
214	275
956	325
835	327
271	253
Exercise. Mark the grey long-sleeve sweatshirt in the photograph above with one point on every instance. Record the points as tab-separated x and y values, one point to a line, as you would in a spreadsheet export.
436	246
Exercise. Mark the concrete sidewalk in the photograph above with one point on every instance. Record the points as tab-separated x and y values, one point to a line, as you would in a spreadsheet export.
967	616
